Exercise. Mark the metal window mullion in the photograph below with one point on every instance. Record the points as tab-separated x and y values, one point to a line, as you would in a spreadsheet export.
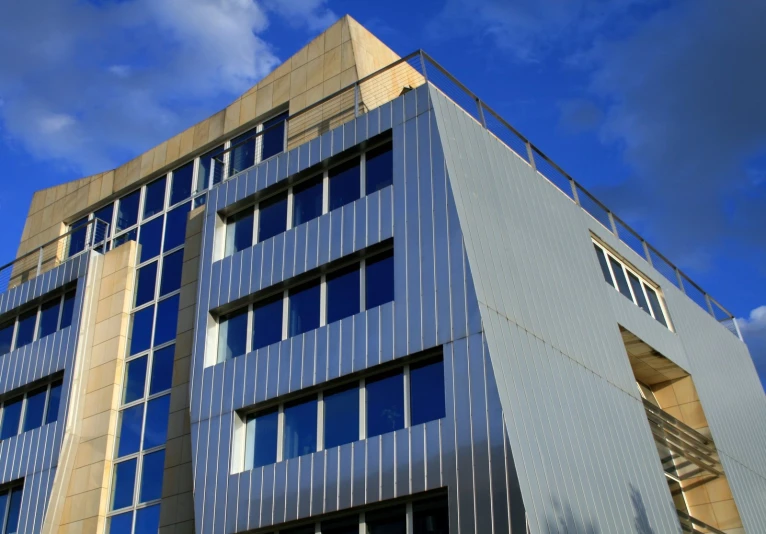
322	300
47	400
320	421
290	208
249	443
280	432
61	307
23	415
38	316
15	335
611	271
256	222
627	274
325	191
362	523
410	529
258	156
362	285
285	313
363	175
362	409
226	160
249	329
646	298
406	388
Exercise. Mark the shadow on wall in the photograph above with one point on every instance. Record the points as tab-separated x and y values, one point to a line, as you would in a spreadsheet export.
641	520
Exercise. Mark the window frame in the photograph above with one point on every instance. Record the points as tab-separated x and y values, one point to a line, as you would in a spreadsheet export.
61	297
4	514
48	383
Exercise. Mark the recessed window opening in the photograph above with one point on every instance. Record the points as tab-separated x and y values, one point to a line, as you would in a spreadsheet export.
31	407
52	315
10	507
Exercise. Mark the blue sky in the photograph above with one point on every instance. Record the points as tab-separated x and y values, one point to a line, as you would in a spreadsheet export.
655	106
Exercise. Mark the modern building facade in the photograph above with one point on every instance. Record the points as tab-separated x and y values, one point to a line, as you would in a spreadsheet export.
357	301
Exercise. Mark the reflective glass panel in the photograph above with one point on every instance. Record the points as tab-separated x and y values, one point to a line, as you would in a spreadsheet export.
148	520
167	320
385	403
300	429
172	264
175	226
127	211
181	185
242	154
264	438
619	274
391	520
210	169
150	239
343	293
379	279
273	136
156	430
307	201
232	335
14	511
25	332
35	409
341	416
272	217
104	214
304	308
154	200
431	516
656	308
635	283
239	231
141	330
162	370
344	184
379	169
604	266
124	238
67	310
267	322
426	392
129	436
54	399
121	524
151	476
78	236
6	336
11	417
135	379
146	283
49	317
123	484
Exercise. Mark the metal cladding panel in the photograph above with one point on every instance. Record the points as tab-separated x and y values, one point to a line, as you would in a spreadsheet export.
33	455
584	453
435	304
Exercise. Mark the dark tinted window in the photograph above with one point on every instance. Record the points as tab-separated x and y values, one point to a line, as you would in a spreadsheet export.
104	214
162	370
182	183
154	200
135	379
129	437
35	409
11	417
54	400
146	283
147	520
239	232
124	238
167	320
172	264
379	170
379	279
622	282
121	524
232	335
343	293
127	211
141	330
346	525
273	136
385	404
78	236
151	476
123	484
175	226
210	169
431	516
267	322
6	336
307	201
14	511
150	239
49	317
656	308
300	429
344	184
426	392
25	332
604	266
156	430
67	310
387	521
341	416
265	438
635	283
272	217
304	308
242	155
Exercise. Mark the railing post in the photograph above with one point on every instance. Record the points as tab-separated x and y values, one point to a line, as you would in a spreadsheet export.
680	280
481	112
646	252
423	66
531	156
709	305
736	327
613	224
356	99
575	194
39	261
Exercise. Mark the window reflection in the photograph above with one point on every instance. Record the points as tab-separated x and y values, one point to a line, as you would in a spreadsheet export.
263	435
300	429
344	184
273	137
385	404
272	217
304	308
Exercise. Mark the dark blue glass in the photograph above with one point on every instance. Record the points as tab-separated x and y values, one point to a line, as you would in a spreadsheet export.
167	320
267	322
239	231
232	335
151	477
141	330
635	283
300	429
210	169
180	188
622	282
304	308
604	265
308	529
379	168
346	525
121	524
78	236
154	199
431	516
200	201
344	184
172	264
385	403
14	511
25	332
146	283
104	214
11	418
6	336
150	239
3	501
341	416
175	226
124	238
307	201
54	400
127	211
343	293
35	409
162	370
273	137
147	520
67	310
265	438
379	279
426	392
129	437
49	317
655	302
391	520
272	217
242	154
135	379
156	430
123	484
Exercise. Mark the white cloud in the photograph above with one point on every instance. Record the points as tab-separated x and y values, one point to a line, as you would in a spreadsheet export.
54	123
753	330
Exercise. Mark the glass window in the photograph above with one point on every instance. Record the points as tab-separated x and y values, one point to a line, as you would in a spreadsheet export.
656	307
272	217
232	335
307	201
210	169
146	283
304	308
135	379
267	322
379	168
154	200
635	283
341	416
35	409
127	211
121	524
167	320
242	154
181	185
273	138
6	336
54	400
172	264
619	274
264	435
385	403
150	239
49	317
391	520
431	516
151	476
67	310
162	370
175	226
14	510
307	529
25	332
346	525
343	293
123	483
129	436
239	231
78	236
426	392
200	201
11	417
379	279
604	266
148	520
141	330
124	238
300	429
104	214
344	184
156	431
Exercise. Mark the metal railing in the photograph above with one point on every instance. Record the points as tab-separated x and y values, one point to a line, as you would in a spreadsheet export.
695	526
76	241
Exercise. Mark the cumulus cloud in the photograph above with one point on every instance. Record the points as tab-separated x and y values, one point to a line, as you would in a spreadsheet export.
754	331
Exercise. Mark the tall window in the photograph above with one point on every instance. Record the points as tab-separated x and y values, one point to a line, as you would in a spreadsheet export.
24	411
52	315
10	508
